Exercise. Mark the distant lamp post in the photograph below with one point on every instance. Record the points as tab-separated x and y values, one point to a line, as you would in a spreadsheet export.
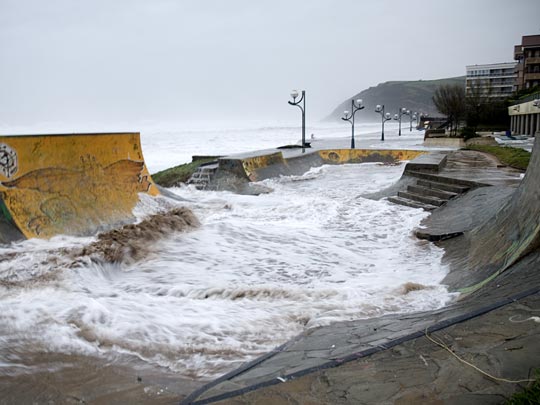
398	116
355	107
412	116
294	95
384	117
419	119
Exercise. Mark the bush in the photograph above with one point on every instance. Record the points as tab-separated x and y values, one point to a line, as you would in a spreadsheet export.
468	133
529	395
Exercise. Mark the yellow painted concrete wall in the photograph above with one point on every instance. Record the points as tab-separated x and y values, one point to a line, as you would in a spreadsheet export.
341	156
71	184
256	168
251	164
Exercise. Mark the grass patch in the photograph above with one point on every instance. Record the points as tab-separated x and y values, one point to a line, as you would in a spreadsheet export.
529	395
178	174
514	157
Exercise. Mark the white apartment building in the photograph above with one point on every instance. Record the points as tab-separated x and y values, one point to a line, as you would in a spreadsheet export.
495	80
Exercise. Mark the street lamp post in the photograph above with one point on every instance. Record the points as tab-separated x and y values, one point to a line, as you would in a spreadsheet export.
398	116
412	116
294	95
346	117
419	119
384	117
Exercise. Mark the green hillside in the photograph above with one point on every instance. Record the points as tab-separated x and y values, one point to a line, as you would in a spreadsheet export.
413	95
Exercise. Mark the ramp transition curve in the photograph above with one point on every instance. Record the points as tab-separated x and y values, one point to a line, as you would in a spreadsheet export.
504	239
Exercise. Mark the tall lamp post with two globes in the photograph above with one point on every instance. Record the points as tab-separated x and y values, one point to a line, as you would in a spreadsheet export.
355	107
294	95
412	116
397	117
384	117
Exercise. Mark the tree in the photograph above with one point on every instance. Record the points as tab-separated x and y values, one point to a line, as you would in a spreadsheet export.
484	107
450	101
477	102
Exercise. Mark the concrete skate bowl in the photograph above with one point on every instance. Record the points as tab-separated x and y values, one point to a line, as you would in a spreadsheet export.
484	253
73	184
261	167
506	249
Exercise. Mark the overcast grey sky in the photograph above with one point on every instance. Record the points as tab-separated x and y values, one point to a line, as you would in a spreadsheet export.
131	60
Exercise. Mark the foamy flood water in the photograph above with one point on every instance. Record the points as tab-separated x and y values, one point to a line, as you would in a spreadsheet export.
257	272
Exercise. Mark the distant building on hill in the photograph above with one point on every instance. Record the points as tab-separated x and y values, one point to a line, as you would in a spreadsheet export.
527	55
493	81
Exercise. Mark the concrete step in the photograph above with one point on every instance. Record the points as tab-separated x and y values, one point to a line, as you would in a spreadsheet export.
446	180
202	177
411	203
420	234
432	161
205	176
431	192
197	181
421	198
208	169
453	188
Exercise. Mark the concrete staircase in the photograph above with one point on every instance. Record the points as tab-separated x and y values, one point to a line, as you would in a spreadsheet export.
430	191
202	177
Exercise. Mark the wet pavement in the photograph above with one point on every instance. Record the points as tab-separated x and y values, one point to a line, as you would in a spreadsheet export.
481	168
502	343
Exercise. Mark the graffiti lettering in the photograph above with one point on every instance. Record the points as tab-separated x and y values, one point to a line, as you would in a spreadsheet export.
8	160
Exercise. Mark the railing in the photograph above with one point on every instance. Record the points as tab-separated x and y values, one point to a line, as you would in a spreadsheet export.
532	60
532	76
505	74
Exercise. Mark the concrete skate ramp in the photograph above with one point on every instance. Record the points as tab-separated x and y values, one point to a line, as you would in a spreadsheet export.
389	156
273	164
72	184
508	236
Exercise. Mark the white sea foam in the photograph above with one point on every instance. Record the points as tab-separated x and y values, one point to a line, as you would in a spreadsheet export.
256	273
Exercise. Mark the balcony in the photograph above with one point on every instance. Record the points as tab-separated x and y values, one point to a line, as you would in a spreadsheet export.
531	76
532	61
488	75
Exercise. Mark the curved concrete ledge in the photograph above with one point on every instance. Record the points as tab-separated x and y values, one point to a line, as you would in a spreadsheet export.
488	250
249	167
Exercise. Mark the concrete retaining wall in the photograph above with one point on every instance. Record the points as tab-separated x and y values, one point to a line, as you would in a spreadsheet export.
507	237
445	142
340	156
257	168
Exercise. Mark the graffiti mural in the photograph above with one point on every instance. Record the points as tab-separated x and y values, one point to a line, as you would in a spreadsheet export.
75	184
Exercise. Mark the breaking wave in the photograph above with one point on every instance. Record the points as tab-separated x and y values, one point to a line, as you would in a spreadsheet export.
128	244
133	242
201	300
